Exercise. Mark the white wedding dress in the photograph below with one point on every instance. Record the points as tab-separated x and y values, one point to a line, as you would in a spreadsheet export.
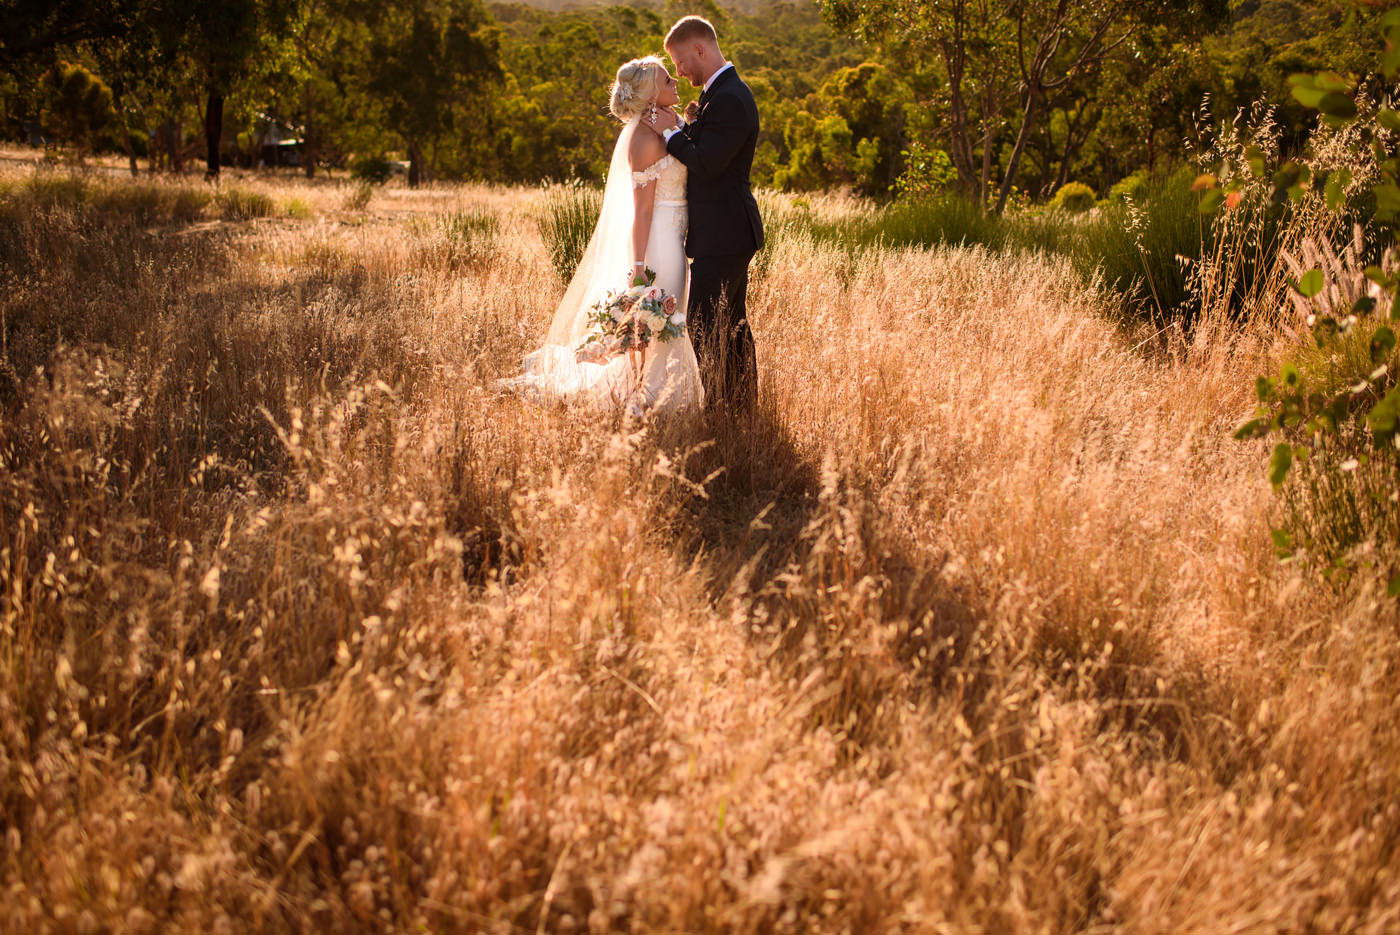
669	380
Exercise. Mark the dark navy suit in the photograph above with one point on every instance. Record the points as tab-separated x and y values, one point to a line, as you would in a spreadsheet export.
724	233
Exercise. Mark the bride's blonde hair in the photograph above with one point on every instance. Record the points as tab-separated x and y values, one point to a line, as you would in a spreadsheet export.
637	84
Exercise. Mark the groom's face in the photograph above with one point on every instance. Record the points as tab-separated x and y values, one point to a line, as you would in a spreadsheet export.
690	61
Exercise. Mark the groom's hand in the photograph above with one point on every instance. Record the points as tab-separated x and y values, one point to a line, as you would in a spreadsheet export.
692	111
663	119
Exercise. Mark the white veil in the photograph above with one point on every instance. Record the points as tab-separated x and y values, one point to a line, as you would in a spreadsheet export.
605	267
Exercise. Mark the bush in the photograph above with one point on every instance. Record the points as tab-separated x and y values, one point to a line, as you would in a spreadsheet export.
357	199
1136	247
298	209
241	204
373	169
952	219
566	222
1132	188
460	238
144	203
1073	198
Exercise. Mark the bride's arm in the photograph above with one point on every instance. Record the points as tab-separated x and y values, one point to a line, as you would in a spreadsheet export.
645	151
644	200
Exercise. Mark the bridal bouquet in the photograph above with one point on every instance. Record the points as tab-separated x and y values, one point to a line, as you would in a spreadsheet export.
628	321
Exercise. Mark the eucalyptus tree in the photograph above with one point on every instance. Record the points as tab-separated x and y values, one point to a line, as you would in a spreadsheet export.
1000	63
425	59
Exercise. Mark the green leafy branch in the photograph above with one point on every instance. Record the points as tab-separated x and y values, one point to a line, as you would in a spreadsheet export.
1363	413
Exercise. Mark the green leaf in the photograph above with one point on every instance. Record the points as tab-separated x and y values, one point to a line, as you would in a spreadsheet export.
1255	157
1311	283
1335	193
1279	463
1393	589
1289	376
1305	90
1264	388
1288	175
1254	428
1283	543
1382	343
1337	104
1387	197
1388	118
1385	414
1390	60
1211	201
1331	81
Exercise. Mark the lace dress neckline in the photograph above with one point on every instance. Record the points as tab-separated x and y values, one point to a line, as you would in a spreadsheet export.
652	172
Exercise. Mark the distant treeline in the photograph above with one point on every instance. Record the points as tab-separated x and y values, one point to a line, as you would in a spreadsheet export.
881	96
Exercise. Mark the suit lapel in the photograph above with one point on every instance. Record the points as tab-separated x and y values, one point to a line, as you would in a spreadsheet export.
710	92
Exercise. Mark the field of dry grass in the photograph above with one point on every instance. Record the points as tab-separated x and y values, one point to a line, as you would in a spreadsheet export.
975	627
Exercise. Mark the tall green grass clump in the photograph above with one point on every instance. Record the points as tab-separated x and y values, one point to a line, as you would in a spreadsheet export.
566	221
458	238
1135	246
950	219
241	204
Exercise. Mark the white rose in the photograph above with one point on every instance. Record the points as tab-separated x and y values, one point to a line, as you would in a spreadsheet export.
678	320
656	323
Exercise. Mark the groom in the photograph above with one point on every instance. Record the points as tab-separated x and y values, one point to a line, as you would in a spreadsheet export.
716	146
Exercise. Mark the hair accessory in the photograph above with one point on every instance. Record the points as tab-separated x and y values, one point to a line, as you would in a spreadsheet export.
624	92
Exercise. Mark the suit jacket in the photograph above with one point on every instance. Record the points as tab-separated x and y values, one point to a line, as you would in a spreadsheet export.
717	151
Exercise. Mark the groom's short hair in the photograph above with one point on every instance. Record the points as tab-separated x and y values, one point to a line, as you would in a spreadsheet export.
690	29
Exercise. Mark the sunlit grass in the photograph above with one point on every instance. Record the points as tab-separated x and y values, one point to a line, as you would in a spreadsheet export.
976	626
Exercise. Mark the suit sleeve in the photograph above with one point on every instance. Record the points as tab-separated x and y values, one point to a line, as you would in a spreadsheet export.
725	131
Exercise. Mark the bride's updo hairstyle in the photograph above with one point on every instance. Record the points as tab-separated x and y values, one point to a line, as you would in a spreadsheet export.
637	84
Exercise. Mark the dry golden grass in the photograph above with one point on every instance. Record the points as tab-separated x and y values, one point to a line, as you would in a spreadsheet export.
974	628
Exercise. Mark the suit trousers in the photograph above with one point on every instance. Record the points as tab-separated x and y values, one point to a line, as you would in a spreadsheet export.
719	329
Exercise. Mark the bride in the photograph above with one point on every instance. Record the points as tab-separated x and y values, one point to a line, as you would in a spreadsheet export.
641	226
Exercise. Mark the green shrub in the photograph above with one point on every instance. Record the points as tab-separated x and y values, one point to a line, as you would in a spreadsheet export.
1136	247
460	237
145	203
241	204
1132	188
1073	198
566	221
373	169
298	209
48	190
951	219
357	199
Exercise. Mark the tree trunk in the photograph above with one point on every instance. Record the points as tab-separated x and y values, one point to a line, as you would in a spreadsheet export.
213	131
130	152
308	136
1012	164
415	165
959	146
1071	146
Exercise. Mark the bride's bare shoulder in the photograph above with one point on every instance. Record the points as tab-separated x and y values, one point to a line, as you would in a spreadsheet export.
645	149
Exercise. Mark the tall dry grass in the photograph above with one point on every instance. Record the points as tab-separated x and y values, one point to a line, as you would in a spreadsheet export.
975	626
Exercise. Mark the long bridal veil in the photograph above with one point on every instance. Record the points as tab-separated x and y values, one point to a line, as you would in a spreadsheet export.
552	369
